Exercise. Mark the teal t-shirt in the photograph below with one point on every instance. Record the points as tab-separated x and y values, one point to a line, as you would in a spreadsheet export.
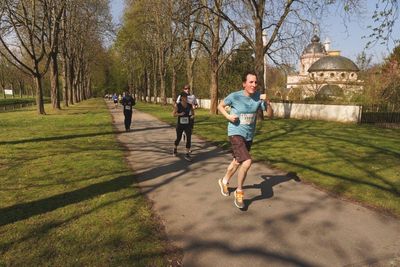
245	107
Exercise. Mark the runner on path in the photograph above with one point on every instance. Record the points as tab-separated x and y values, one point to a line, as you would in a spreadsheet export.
128	102
191	99
115	99
183	110
241	127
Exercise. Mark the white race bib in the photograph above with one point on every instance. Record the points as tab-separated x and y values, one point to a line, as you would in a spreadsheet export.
247	118
184	120
128	107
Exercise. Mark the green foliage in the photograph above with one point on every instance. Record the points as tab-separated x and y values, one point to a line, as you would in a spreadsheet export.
11	101
231	73
67	196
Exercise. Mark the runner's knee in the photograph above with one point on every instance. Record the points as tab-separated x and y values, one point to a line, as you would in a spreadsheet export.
247	163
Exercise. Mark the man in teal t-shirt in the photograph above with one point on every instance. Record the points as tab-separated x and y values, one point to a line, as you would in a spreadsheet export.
244	105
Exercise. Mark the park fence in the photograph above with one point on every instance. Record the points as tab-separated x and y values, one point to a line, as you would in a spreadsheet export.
384	114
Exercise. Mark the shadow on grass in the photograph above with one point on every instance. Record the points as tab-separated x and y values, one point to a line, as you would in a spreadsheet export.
24	211
390	189
71	136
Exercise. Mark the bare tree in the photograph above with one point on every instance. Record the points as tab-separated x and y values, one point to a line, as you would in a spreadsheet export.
23	38
54	9
214	43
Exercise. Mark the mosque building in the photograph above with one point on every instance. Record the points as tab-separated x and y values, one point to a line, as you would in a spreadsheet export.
324	73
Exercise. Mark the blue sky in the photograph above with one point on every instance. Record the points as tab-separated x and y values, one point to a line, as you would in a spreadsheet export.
349	41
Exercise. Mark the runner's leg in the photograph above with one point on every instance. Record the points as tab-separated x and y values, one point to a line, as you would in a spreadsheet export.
179	132
233	166
245	166
188	132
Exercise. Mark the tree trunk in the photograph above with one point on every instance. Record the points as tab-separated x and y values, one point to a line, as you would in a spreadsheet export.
65	81
39	95
155	84
21	88
189	65
71	75
12	89
149	86
173	84
54	82
259	56
162	73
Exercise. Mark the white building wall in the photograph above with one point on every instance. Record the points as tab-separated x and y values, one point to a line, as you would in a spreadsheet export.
339	113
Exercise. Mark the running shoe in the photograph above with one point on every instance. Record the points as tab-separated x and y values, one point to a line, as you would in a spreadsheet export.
224	188
188	157
239	199
174	152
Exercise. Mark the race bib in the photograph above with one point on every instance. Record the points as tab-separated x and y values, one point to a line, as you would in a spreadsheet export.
247	118
184	120
128	107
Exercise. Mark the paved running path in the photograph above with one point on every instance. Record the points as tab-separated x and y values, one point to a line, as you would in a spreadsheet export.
287	223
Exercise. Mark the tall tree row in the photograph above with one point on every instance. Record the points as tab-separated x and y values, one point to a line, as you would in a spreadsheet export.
40	37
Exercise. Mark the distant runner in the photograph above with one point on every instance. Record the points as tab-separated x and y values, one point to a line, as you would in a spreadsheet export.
115	99
191	99
184	111
241	127
128	102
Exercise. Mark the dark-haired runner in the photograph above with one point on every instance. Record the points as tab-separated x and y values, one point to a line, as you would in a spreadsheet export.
184	111
244	105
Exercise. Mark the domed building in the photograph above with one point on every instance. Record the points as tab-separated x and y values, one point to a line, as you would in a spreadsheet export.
323	73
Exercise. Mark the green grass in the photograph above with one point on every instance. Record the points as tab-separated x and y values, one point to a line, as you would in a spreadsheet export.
67	196
358	162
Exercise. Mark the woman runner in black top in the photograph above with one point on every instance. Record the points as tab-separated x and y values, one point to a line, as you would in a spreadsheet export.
183	111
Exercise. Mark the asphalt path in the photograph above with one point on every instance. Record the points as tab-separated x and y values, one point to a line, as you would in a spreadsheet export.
285	222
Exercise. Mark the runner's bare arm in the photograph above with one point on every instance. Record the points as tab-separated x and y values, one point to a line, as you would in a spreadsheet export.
270	111
221	109
175	111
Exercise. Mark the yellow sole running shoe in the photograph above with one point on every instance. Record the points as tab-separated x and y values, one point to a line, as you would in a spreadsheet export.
239	199
224	188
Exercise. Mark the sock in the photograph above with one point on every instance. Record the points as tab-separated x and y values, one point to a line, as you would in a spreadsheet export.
225	181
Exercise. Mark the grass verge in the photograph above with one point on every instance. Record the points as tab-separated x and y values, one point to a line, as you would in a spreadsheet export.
357	162
67	197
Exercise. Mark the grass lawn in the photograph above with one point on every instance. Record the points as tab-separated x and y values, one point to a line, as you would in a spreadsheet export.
67	197
358	162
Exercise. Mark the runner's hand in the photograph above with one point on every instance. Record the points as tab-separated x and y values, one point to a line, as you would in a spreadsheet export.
233	118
